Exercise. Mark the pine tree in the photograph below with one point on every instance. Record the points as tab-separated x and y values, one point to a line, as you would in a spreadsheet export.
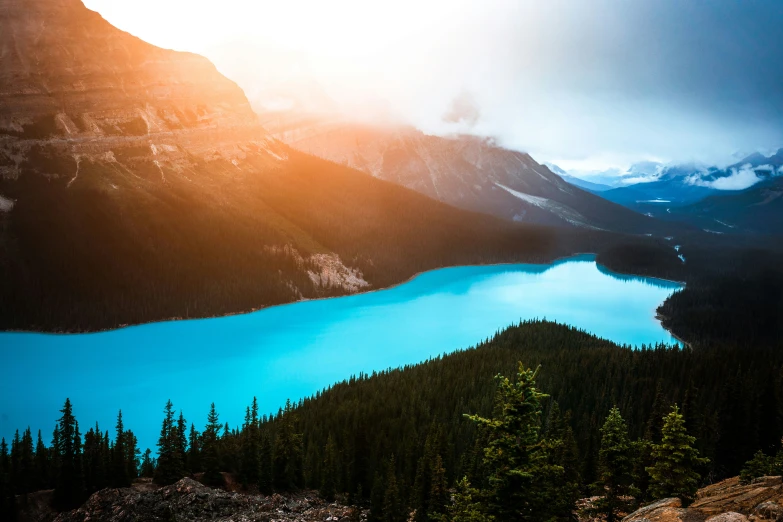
16	451
377	498
439	495
7	499
760	465
170	466
250	464
210	449
522	481
41	464
26	473
329	471
466	506
287	469
265	466
615	467
565	454
393	510
194	451
119	469
147	465
676	460
69	488
132	454
182	437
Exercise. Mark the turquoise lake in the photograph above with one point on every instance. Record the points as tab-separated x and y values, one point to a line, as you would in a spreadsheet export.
294	350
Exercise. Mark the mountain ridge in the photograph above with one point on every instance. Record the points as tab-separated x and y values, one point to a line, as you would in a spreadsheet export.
466	171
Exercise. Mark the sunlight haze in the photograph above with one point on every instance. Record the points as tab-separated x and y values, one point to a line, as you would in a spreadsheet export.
588	87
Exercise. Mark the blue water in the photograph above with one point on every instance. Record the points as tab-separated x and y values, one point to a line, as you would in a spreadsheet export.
292	351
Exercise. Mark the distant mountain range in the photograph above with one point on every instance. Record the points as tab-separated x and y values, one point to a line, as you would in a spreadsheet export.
758	209
466	171
740	197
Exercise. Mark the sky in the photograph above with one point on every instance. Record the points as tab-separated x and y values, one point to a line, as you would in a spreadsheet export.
588	85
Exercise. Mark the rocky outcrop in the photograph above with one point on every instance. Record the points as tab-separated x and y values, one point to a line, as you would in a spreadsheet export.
71	81
188	500
726	501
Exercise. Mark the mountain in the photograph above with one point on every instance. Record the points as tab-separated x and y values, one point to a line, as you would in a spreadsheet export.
758	209
466	171
137	185
679	185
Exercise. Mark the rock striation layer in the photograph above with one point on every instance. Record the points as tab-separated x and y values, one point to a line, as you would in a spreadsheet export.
726	501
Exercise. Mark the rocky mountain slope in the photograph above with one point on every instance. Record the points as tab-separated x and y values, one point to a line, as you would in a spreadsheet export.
136	185
726	501
466	171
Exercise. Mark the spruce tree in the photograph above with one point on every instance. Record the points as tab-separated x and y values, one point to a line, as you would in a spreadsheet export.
26	474
210	449
329	471
676	461
439	495
466	506
182	437
170	466
119	468
393	510
377	498
615	467
287	469
265	466
132	454
147	465
41	464
69	488
7	499
523	483
194	451
249	465
759	466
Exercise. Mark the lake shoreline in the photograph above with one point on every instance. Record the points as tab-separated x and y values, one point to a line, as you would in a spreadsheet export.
553	262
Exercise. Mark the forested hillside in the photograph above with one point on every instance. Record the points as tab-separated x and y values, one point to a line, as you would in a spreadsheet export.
397	428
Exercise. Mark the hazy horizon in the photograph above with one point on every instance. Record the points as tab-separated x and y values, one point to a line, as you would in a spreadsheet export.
587	87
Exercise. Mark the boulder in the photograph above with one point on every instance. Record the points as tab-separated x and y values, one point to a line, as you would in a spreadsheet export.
665	510
769	511
729	516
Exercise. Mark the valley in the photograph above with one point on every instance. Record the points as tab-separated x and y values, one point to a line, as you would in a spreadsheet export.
283	314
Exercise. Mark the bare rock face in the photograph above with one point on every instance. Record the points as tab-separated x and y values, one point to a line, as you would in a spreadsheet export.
665	510
726	501
730	495
188	500
71	81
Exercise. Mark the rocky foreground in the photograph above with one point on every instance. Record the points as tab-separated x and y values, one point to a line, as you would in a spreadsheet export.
726	501
191	501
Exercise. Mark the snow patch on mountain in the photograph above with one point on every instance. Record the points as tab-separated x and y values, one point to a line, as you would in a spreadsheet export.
564	212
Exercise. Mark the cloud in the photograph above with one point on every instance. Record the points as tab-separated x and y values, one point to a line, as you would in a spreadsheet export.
463	110
570	82
738	179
